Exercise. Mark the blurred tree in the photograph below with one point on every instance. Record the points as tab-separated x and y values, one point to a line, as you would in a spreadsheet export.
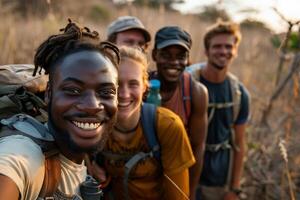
293	41
30	7
252	23
212	13
99	13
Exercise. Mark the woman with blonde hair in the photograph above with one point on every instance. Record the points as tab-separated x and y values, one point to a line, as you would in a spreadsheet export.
136	170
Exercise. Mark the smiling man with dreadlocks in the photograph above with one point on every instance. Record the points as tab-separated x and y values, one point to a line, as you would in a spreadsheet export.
82	101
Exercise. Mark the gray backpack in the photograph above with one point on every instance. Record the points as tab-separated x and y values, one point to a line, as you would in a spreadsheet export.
19	92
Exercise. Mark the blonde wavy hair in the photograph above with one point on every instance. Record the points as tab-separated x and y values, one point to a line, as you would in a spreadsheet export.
138	56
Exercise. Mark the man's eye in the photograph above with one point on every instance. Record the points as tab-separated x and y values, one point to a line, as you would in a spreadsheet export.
107	93
72	91
165	55
181	57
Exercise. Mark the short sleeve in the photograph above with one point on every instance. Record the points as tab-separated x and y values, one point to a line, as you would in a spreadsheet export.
22	161
244	113
176	151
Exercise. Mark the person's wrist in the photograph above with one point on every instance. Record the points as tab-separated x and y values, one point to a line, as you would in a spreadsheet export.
236	190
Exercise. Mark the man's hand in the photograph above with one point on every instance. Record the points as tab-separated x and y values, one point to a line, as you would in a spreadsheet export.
95	170
230	196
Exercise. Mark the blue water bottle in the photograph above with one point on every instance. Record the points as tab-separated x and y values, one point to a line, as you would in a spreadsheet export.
154	95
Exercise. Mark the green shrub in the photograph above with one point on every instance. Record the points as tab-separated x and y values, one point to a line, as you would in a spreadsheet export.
99	13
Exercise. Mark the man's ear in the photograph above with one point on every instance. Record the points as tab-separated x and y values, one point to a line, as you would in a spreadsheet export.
48	93
154	52
205	52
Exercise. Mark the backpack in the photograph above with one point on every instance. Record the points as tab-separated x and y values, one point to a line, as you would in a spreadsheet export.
195	71
28	126
19	92
148	119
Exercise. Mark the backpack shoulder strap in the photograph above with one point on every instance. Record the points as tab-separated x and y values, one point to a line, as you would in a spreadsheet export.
195	70
148	118
52	176
236	95
186	80
29	127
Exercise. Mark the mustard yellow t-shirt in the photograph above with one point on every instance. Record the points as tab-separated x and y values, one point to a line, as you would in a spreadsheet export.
145	180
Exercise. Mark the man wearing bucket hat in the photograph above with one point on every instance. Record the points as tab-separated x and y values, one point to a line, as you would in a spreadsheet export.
128	31
180	93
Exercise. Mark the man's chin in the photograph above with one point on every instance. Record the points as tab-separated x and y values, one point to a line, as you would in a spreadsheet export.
218	67
96	147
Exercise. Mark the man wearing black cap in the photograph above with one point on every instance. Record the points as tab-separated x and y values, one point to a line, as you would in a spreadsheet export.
180	93
128	31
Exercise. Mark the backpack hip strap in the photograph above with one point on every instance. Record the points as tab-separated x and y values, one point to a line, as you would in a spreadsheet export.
216	147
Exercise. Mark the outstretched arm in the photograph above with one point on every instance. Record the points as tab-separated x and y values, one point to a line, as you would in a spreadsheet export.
197	133
8	189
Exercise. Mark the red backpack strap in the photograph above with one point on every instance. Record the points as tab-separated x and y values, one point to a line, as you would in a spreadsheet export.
52	176
187	93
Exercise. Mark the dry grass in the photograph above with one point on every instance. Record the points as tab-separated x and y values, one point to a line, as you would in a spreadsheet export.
255	66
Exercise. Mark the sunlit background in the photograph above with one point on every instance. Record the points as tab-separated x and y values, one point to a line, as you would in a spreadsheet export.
261	10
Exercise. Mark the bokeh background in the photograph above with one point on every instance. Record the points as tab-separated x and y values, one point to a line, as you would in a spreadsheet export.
267	63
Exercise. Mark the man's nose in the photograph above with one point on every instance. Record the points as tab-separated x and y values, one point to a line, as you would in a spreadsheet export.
223	49
91	104
174	61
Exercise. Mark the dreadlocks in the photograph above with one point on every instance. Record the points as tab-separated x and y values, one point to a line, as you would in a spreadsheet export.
71	40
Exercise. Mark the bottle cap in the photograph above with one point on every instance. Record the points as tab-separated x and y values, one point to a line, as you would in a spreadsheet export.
154	83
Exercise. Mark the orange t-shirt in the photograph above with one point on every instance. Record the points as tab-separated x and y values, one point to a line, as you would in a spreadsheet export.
145	180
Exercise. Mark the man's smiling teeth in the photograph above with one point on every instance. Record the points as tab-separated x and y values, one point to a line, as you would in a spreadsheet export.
86	126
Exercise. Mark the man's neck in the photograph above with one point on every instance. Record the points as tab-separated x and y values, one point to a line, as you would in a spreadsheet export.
214	75
167	89
76	158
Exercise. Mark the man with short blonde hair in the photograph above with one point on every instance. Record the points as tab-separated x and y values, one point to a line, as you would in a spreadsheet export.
228	114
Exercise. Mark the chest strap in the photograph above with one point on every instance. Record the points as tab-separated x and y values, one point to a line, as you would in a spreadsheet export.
132	162
216	147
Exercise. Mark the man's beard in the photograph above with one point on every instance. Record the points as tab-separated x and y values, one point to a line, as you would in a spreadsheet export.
65	138
218	67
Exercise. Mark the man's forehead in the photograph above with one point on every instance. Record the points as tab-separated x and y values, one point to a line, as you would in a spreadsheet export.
85	63
92	57
174	48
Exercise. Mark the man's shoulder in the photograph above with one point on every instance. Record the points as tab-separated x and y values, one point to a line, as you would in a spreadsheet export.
22	160
21	149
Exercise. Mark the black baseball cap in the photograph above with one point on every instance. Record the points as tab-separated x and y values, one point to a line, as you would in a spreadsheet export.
172	35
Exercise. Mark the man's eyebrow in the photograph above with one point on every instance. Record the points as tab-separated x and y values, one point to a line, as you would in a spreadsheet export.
72	79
